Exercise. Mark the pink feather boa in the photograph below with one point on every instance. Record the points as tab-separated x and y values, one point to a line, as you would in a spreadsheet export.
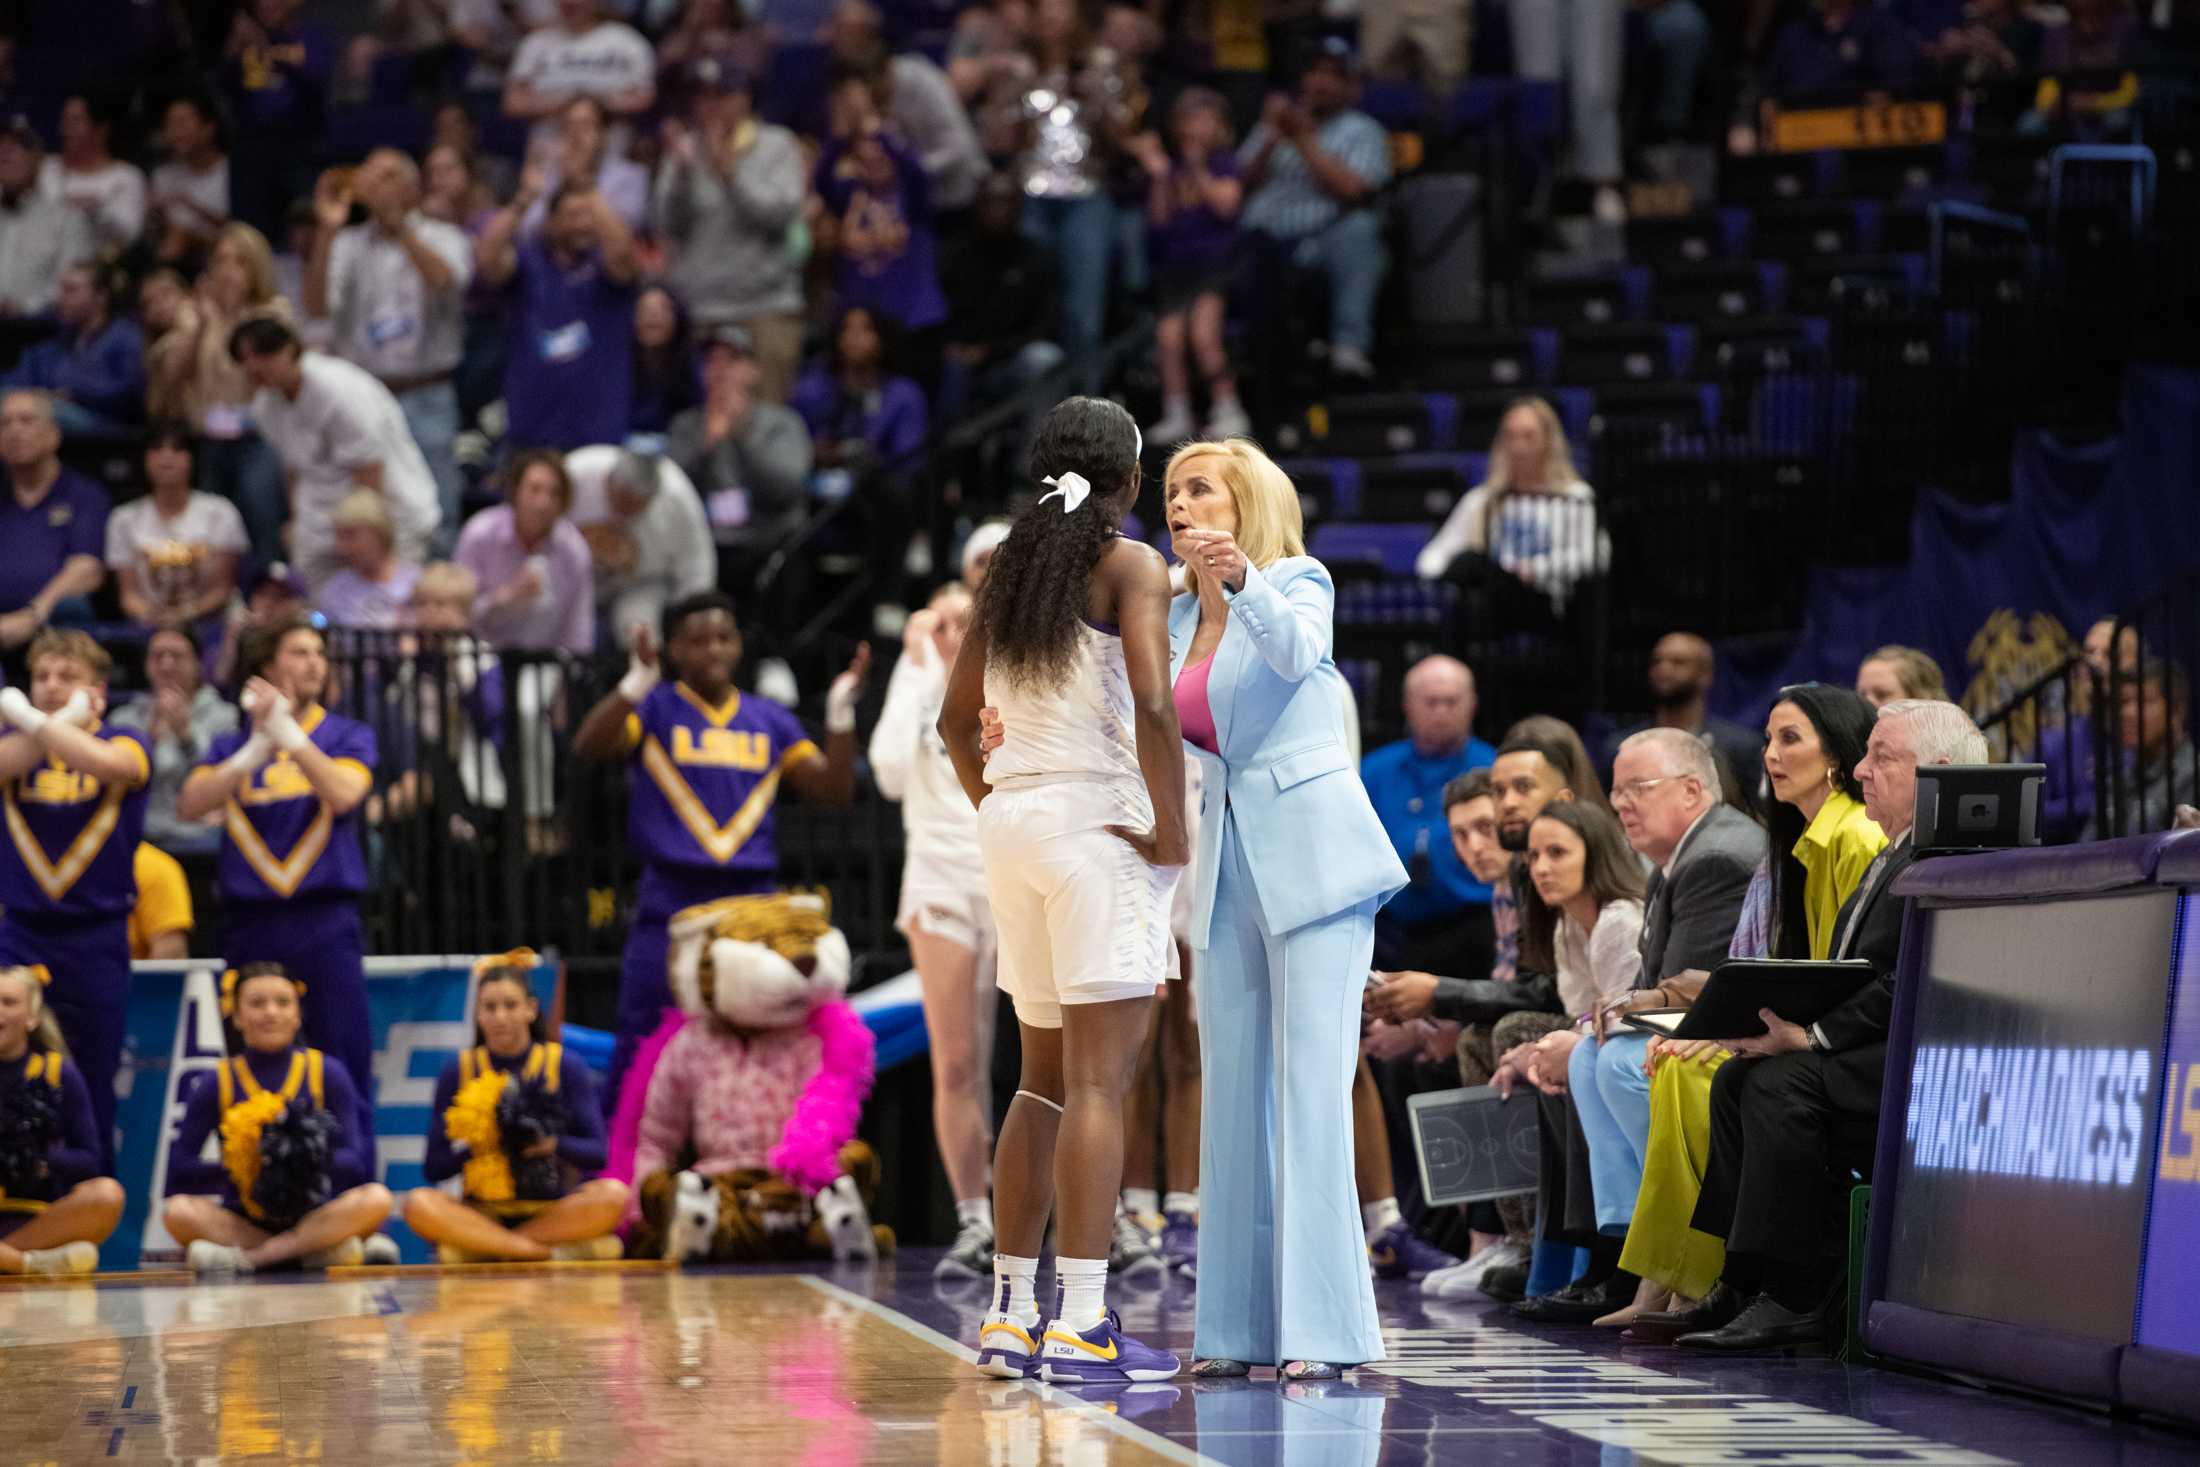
824	1119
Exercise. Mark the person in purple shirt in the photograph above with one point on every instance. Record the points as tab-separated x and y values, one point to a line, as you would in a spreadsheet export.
372	590
75	789
859	413
275	74
705	763
535	586
66	1210
1191	229
876	192
95	365
1844	49
53	523
572	1219
221	1229
569	355
288	788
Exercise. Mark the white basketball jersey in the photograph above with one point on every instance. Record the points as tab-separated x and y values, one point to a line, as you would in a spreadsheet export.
1080	729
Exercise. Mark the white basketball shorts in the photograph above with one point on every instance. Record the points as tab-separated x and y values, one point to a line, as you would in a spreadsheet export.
1079	916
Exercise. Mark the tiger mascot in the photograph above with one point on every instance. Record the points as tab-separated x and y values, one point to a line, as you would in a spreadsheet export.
762	1083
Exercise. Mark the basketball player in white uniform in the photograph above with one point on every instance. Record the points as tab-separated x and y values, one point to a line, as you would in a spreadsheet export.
1081	821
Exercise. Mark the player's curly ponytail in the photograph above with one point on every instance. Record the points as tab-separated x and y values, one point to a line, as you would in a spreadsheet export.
1039	582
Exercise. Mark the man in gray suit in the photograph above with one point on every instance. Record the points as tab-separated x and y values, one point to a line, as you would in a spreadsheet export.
1595	1097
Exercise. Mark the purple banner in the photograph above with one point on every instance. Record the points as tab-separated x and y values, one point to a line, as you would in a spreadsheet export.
2169	1285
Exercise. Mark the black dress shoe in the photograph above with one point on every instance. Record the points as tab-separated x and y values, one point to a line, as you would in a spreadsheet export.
1766	1324
1506	1285
1580	1303
1661	1327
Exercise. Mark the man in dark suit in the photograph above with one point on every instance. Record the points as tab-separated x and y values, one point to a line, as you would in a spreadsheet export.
1667	794
1770	1186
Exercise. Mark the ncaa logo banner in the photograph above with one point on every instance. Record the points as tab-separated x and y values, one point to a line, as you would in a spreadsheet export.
421	1010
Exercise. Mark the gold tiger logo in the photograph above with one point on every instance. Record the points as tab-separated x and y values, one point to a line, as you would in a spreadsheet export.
2008	658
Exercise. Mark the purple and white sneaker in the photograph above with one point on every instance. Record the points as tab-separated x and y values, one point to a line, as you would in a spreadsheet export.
1180	1243
1102	1355
1008	1347
1397	1252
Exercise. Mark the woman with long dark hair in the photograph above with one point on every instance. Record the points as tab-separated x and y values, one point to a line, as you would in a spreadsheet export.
667	381
1081	823
1818	845
1818	840
1581	912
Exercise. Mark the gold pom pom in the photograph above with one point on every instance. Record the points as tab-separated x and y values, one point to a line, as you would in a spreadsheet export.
241	1127
471	1122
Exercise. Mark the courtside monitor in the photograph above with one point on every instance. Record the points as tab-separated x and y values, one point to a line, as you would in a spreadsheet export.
1978	807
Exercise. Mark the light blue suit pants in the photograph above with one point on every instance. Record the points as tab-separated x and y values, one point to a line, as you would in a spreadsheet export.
1283	1272
1612	1095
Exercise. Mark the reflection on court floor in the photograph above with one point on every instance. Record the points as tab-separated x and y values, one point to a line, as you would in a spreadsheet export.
633	1363
572	1366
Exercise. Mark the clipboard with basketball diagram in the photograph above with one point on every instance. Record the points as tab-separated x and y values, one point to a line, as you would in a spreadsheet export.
1472	1145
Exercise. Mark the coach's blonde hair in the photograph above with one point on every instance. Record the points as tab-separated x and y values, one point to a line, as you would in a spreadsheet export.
1270	525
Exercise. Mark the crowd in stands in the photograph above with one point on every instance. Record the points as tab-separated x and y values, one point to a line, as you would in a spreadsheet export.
471	232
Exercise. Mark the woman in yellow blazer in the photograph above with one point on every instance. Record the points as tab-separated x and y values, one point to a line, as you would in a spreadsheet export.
1819	842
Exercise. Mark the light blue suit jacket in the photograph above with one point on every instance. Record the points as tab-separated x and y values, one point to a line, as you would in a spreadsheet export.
1313	842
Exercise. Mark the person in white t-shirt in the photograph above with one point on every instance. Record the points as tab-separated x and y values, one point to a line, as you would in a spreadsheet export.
111	193
649	541
1534	516
335	428
190	192
394	291
175	552
583	55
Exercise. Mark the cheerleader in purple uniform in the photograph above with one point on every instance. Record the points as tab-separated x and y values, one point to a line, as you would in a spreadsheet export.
517	1117
55	1207
705	762
288	788
74	787
291	1182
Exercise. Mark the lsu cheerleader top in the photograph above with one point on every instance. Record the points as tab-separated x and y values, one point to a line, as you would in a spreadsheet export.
71	839
703	788
581	1145
73	1155
280	839
289	1073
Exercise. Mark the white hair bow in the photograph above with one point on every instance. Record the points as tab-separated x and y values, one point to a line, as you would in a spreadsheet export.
1073	488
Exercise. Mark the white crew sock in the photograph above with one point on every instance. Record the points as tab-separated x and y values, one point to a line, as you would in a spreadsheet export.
1181	1202
1013	1279
1141	1201
977	1210
1380	1215
1084	1291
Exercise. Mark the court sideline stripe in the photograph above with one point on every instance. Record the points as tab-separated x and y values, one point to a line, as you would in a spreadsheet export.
1152	1441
